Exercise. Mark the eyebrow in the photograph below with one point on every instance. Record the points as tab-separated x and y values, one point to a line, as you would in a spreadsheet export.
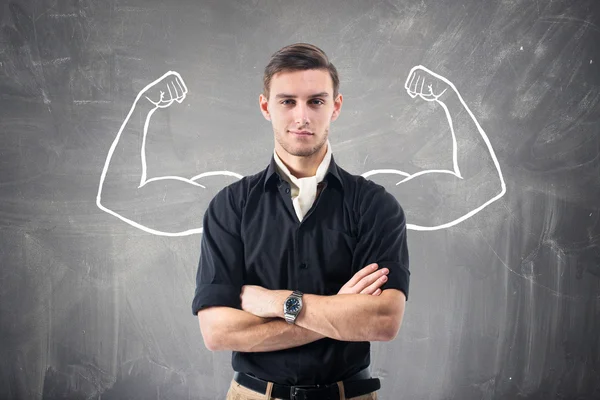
292	96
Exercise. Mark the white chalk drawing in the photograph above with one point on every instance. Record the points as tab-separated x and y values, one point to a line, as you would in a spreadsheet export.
170	88
421	82
173	84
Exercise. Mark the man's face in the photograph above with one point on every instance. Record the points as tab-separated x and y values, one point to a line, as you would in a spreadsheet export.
301	107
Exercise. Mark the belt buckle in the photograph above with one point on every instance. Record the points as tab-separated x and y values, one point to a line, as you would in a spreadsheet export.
303	392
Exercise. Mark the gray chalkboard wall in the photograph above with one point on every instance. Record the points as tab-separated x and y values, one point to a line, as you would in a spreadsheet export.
97	274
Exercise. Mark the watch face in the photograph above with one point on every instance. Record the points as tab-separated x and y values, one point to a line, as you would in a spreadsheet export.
292	305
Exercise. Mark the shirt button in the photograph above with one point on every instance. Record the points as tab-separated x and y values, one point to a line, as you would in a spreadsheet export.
287	190
303	266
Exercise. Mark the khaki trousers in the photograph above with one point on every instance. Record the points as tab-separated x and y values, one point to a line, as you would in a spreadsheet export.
239	392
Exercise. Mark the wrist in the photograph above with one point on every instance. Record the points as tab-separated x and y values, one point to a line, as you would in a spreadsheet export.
450	97
280	296
142	104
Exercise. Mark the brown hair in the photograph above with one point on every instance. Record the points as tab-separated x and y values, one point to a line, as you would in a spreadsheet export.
297	57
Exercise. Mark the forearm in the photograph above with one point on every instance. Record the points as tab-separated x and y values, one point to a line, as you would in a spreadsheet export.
473	155
346	317
245	332
124	161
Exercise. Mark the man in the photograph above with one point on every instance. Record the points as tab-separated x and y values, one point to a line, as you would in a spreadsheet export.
288	277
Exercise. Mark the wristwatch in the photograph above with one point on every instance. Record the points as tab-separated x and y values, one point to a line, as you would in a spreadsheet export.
292	306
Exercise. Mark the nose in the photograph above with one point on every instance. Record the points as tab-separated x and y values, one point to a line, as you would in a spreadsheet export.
301	114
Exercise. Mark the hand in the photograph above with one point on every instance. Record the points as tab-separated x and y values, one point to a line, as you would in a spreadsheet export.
426	84
262	302
366	281
165	90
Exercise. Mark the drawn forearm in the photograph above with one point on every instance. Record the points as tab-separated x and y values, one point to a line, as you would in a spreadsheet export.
472	153
125	159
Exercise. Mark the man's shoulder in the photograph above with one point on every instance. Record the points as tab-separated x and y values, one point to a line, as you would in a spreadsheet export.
360	186
237	192
368	195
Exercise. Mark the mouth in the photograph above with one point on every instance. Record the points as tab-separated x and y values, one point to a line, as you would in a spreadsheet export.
301	133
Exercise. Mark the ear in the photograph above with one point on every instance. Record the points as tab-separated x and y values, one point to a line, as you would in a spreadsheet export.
337	107
264	107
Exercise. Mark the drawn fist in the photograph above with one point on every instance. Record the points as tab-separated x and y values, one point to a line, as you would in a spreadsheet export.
166	89
426	84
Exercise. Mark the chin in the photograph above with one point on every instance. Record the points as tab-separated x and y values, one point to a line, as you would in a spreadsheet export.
300	147
304	150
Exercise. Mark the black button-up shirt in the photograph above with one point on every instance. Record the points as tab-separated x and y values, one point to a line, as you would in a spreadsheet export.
252	236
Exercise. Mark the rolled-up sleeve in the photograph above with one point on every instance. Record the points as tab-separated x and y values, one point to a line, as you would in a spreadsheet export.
221	267
382	237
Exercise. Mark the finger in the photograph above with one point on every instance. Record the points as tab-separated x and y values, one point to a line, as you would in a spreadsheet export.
411	84
416	84
427	97
170	94
369	269
422	84
360	275
411	90
356	278
377	292
375	285
181	86
413	87
178	90
409	81
166	103
368	280
172	83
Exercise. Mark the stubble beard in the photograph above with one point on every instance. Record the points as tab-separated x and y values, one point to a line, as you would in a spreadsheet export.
300	152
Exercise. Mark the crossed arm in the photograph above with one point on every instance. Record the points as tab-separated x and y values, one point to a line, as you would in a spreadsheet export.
357	313
362	310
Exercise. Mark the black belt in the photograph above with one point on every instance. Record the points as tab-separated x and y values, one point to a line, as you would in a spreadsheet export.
356	385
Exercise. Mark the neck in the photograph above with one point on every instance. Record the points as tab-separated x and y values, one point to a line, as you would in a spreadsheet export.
302	167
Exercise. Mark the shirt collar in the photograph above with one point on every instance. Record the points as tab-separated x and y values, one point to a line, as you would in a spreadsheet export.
272	177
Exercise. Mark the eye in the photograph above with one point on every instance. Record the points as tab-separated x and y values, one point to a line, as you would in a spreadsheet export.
285	102
319	101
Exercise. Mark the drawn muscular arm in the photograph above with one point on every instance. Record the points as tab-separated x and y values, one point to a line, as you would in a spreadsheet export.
162	205
436	199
